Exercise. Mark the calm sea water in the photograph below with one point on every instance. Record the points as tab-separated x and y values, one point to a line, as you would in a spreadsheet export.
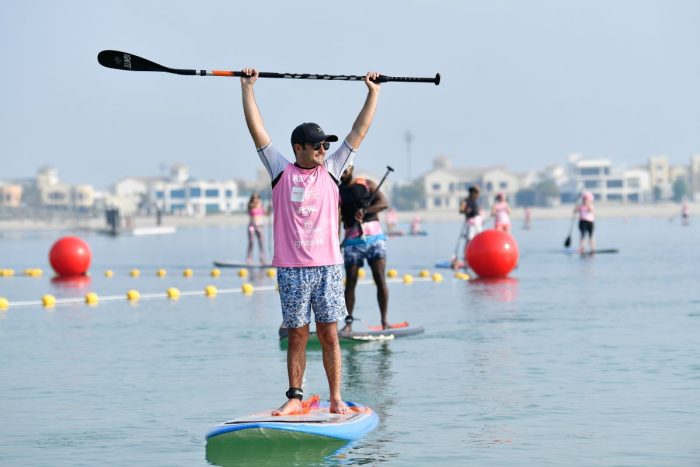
574	361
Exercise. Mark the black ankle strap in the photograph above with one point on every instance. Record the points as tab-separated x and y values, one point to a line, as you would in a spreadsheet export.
295	393
349	319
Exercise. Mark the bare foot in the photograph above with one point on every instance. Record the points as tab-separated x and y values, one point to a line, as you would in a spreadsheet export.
386	326
291	407
338	406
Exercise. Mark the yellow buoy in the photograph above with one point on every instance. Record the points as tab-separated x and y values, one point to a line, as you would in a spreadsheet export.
161	272
48	300
187	272
210	291
91	298
247	288
437	277
4	304
135	273
271	272
109	273
133	295
37	272
407	278
424	273
462	276
215	272
392	273
361	273
243	272
173	293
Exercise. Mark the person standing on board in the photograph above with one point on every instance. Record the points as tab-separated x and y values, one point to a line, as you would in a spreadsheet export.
363	240
473	220
392	218
305	200
501	212
256	213
586	219
685	213
470	209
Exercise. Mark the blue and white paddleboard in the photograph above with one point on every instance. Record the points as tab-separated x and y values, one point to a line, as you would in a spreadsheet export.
571	251
318	422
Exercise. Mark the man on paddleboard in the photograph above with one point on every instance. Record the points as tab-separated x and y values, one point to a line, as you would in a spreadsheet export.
305	200
360	201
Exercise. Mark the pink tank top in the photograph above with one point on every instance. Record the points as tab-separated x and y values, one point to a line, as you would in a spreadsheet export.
501	212
305	225
255	212
586	213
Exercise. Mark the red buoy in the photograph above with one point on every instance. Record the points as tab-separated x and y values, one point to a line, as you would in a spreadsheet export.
492	253
70	256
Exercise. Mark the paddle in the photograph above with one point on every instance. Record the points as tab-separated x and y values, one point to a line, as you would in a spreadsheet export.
126	61
567	242
462	233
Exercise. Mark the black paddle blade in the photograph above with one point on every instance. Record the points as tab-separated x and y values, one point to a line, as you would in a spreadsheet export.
126	61
130	62
567	242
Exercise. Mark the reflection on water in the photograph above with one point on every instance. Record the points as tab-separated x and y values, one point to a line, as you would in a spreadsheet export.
70	283
292	451
503	289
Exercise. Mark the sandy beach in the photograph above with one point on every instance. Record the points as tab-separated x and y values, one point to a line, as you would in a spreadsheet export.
666	210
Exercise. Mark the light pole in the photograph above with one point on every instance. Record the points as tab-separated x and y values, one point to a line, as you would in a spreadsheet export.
408	137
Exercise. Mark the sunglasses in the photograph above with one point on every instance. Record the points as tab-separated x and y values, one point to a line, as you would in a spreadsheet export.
317	146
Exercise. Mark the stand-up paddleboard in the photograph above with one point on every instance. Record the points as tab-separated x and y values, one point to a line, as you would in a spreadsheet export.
230	263
361	333
447	264
395	233
315	421
593	253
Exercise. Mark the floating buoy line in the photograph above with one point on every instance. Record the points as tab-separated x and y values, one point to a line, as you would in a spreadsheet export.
210	291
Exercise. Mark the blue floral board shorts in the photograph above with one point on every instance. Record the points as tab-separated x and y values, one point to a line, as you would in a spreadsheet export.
319	288
354	255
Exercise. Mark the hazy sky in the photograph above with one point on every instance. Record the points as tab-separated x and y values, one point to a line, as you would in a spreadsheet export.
525	83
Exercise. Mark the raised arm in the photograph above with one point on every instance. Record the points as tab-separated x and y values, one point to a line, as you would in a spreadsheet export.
364	119
250	109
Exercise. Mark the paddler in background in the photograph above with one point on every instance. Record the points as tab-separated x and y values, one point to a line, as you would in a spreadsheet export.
473	224
256	214
586	217
360	201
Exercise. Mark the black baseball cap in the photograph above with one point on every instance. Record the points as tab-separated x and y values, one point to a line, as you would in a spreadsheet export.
311	133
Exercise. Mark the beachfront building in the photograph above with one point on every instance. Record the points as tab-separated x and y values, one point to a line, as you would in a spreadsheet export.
196	198
695	177
131	195
664	175
65	197
10	195
607	183
445	186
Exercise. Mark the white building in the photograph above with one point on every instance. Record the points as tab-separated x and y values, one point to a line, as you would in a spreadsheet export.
197	198
607	183
445	187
